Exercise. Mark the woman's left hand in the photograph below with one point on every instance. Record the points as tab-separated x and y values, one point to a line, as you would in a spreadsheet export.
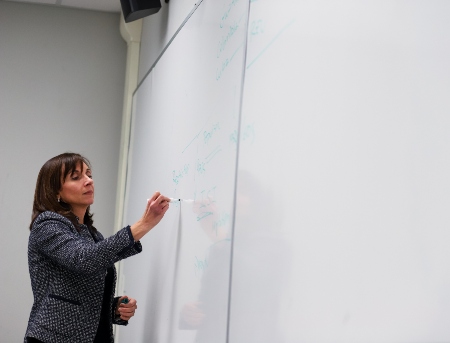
126	311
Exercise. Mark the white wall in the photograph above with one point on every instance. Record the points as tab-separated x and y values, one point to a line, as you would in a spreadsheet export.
61	89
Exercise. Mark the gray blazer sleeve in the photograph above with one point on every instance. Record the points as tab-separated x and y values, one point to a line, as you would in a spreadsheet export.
134	249
59	241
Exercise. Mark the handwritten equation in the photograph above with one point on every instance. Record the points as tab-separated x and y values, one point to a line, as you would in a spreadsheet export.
232	27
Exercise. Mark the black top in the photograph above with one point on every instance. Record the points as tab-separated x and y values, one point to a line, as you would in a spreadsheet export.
103	331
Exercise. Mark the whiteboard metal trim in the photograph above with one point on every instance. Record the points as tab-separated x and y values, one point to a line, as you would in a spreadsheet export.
168	44
244	68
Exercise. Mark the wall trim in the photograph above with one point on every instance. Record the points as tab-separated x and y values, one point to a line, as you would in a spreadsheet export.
131	33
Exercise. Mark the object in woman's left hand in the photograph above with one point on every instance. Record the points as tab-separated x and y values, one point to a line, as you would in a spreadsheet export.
126	307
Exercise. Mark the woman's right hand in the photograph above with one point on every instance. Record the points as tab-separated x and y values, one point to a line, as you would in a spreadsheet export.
157	206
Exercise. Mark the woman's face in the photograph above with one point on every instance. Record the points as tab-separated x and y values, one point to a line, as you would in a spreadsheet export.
78	189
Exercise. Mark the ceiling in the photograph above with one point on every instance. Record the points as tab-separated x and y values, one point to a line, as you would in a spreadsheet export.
96	5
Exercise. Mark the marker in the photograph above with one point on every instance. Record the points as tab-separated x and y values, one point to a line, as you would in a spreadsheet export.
124	301
185	200
176	200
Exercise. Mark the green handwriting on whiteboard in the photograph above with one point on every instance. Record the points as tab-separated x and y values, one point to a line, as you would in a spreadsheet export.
227	12
179	174
200	266
222	221
248	132
257	27
226	63
225	39
207	135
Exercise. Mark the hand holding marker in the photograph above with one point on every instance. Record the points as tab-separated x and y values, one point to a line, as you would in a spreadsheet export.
126	309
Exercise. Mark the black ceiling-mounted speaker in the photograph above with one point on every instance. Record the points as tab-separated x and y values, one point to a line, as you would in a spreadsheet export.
137	9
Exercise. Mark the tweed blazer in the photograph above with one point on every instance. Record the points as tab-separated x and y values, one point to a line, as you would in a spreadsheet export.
67	270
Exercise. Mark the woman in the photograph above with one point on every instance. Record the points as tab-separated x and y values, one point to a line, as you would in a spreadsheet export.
71	265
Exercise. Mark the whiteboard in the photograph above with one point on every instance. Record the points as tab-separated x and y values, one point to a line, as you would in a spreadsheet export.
184	144
312	137
342	231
